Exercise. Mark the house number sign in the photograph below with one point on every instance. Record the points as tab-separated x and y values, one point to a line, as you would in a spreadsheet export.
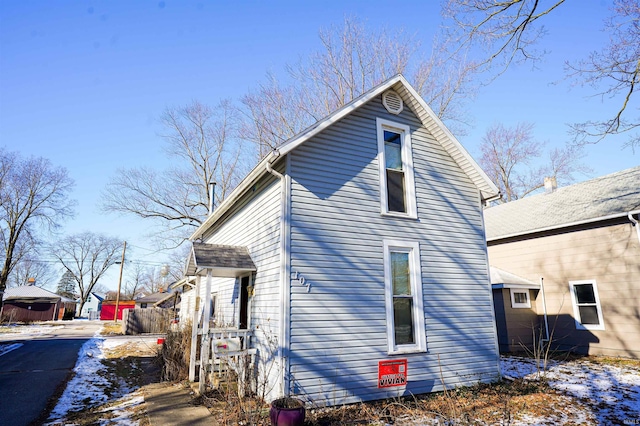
297	277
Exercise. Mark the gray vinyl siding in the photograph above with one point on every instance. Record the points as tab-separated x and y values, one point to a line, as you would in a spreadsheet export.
338	329
255	223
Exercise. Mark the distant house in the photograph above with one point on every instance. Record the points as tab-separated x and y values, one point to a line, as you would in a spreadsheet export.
30	303
353	258
571	255
92	306
156	300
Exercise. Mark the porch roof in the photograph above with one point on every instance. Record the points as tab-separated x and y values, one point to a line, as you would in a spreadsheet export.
224	261
503	279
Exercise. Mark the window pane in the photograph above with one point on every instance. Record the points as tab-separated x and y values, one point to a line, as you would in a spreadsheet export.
589	315
400	273
520	297
392	150
395	191
584	293
402	320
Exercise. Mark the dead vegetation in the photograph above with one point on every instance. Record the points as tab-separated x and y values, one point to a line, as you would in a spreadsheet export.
175	355
111	329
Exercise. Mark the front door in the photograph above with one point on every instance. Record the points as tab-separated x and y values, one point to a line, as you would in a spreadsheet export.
244	303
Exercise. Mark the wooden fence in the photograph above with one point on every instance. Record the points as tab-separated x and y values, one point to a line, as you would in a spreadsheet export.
149	320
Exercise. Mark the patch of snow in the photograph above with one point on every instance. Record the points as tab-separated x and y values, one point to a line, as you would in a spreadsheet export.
121	410
9	347
611	393
92	386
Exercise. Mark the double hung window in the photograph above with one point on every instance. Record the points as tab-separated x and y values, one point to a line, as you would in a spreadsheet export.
586	305
403	292
397	186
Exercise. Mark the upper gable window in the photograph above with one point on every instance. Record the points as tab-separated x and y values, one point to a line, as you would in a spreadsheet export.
397	187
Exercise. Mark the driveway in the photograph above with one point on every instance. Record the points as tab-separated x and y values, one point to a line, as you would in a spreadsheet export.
41	362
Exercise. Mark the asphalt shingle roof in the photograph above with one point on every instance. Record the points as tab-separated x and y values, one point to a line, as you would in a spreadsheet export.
29	292
611	195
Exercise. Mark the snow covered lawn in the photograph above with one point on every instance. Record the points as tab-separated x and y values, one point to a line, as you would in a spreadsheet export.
608	391
105	389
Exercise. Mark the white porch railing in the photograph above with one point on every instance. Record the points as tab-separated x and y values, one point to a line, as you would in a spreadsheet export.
225	349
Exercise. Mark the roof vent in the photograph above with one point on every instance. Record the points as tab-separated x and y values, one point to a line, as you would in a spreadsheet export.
392	102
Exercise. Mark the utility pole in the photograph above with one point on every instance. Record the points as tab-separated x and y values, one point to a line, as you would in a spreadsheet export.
115	315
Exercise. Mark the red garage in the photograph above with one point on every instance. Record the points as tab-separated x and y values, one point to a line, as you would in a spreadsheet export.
109	308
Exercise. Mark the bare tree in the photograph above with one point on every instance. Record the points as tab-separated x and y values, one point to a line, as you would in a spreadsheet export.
353	60
30	269
509	30
201	142
33	198
509	157
87	256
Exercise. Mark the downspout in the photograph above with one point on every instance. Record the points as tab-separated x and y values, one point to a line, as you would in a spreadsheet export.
283	347
634	222
544	311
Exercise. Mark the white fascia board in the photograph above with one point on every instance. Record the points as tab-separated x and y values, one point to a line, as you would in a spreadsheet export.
532	286
339	114
257	172
563	225
453	139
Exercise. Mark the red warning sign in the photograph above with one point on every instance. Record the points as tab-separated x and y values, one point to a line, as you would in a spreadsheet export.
392	373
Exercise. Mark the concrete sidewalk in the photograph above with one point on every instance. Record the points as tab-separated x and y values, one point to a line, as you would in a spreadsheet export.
170	404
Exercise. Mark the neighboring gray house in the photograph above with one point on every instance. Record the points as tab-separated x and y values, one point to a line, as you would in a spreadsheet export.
356	254
576	251
92	306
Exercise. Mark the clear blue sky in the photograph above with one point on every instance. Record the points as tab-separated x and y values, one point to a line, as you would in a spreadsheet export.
83	82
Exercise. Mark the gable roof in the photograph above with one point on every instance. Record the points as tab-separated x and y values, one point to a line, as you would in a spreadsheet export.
603	198
30	292
411	98
223	261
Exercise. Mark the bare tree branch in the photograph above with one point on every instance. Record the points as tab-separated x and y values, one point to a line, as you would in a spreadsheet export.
508	156
87	257
33	197
202	143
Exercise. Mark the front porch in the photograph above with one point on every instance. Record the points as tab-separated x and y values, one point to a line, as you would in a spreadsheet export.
219	352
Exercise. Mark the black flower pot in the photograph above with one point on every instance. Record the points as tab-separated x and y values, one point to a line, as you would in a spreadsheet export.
287	412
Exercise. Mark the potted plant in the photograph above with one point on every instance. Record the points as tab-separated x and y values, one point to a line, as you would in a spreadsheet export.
287	411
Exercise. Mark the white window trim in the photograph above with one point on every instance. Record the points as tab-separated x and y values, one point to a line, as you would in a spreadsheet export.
407	164
516	305
413	248
576	311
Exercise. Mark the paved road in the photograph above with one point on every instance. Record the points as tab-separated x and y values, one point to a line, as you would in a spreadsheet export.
31	374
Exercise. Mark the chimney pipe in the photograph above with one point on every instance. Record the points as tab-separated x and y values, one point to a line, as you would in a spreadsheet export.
212	194
550	185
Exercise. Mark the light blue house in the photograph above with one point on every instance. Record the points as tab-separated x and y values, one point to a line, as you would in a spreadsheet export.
92	306
355	256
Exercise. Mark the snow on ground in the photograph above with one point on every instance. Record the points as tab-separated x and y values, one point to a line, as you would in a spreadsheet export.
93	385
28	329
612	393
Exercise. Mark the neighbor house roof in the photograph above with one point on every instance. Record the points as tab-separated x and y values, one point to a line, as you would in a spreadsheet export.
223	261
411	98
30	292
156	298
606	197
503	279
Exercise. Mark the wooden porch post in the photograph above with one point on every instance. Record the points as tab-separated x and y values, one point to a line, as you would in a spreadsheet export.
206	341
194	332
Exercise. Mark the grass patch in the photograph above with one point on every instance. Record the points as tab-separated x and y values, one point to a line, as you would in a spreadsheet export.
111	329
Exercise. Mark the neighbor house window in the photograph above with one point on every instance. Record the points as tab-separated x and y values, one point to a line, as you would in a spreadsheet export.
403	292
397	189
520	298
586	305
